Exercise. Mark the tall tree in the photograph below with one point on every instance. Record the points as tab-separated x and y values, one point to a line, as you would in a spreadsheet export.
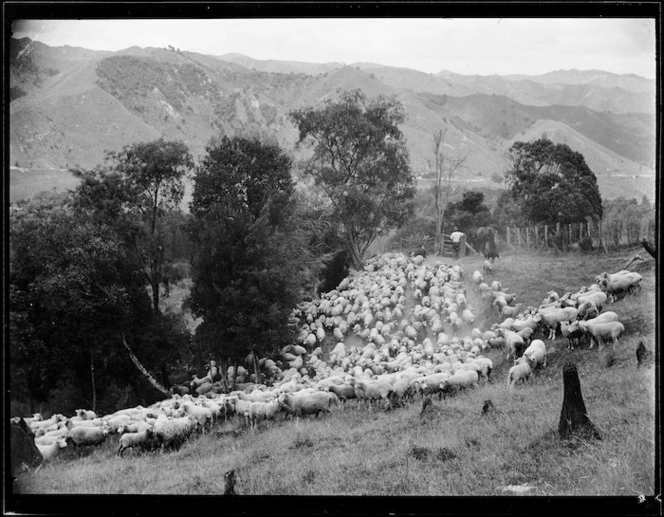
135	189
249	251
70	286
445	165
360	161
552	183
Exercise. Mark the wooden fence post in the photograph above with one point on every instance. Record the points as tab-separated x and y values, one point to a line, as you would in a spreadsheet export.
546	235
518	236
536	236
507	233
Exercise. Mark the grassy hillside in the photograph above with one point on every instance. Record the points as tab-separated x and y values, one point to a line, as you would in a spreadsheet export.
450	448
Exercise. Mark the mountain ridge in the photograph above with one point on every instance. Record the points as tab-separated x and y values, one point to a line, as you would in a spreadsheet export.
144	93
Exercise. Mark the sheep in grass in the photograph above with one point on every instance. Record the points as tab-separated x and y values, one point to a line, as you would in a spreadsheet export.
259	411
201	414
143	439
344	392
602	332
515	344
550	319
306	404
572	332
86	436
520	372
374	391
50	450
460	380
173	432
535	354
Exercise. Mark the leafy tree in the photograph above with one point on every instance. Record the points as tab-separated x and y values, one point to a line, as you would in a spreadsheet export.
134	191
470	211
552	183
360	161
70	286
249	251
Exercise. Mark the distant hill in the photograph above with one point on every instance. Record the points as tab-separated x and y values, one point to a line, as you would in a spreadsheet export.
70	105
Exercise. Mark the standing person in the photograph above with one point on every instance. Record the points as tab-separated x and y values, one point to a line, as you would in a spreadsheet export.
456	236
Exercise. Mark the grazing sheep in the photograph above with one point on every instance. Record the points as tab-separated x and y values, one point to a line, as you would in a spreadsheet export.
172	432
572	331
621	283
477	277
588	310
201	414
509	312
51	450
551	318
459	381
374	391
344	392
515	344
520	372
603	332
263	411
85	414
307	404
143	439
535	354
431	384
86	436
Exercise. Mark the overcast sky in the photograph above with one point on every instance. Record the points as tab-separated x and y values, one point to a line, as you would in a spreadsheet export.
467	45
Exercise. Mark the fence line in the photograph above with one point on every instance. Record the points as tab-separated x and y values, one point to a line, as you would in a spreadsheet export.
565	237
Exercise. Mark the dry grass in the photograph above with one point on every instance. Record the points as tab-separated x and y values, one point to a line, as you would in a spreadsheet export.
451	449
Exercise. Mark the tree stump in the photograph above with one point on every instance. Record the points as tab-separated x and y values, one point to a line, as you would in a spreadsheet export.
573	417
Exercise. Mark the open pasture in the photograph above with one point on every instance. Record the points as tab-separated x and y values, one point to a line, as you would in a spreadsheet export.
450	447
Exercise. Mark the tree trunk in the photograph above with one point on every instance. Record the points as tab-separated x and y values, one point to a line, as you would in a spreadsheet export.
94	391
234	375
224	374
573	417
257	372
155	297
142	369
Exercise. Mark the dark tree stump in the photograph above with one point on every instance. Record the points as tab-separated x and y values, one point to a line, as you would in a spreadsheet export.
229	480
640	354
573	417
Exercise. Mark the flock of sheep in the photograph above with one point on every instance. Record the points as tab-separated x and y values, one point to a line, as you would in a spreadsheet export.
415	335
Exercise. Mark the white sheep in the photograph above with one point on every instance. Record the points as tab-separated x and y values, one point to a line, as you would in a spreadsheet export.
201	414
535	354
263	411
172	432
86	436
603	332
460	380
551	318
85	414
143	439
520	372
51	450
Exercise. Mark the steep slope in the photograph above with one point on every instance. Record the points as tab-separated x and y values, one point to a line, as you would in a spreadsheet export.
630	135
64	131
98	101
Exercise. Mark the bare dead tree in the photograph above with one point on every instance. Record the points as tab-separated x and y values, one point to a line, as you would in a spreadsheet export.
445	166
